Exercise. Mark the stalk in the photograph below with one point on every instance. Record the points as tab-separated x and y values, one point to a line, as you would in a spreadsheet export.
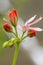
15	54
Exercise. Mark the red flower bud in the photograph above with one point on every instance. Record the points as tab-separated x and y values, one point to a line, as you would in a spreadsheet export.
7	27
31	33
13	15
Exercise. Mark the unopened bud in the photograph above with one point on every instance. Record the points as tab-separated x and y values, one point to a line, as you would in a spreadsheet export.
13	15
7	27
31	33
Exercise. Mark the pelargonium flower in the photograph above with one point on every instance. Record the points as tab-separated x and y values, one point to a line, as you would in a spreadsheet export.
31	31
7	27
30	22
13	15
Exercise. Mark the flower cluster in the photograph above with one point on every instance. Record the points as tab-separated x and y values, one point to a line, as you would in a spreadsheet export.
13	16
31	31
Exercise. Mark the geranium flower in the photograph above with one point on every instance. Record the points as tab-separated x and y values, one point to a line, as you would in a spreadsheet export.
30	22
31	31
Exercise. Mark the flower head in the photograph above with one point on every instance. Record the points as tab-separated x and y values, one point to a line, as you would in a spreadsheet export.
7	27
13	15
31	33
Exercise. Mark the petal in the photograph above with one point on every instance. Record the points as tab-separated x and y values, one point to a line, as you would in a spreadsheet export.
30	20
36	21
15	12
5	20
36	28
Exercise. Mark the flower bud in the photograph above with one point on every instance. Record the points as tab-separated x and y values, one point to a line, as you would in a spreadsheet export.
5	44
13	15
7	27
31	33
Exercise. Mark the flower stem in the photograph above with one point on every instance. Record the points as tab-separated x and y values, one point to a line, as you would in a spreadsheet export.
22	35
16	31
13	33
24	38
15	54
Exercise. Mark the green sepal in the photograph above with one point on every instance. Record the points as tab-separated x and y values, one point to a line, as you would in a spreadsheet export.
14	23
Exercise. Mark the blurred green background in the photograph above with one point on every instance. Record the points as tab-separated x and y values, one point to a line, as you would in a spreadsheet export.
26	9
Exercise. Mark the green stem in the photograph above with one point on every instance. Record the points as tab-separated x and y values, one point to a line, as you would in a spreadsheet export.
23	34
16	31
24	37
15	54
